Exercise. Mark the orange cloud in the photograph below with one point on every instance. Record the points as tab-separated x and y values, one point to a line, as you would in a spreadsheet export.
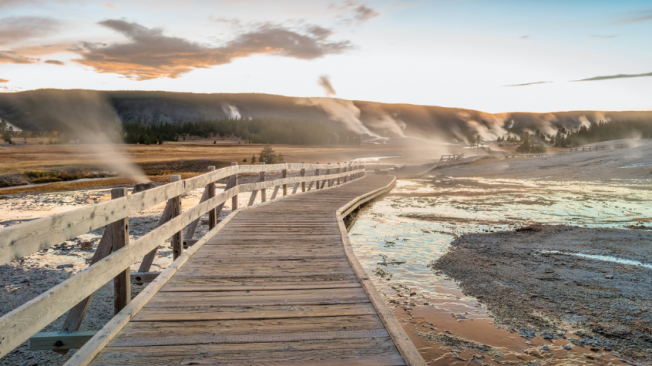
150	54
11	57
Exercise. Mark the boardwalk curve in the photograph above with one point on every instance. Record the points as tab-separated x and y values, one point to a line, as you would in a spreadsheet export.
278	285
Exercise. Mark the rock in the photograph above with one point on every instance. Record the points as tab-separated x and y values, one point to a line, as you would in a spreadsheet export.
69	265
609	277
568	348
545	348
86	245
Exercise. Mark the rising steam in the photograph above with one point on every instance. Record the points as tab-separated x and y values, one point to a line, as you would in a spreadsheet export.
231	111
325	82
90	117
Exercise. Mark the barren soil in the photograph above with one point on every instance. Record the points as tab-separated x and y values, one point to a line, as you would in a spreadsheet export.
535	286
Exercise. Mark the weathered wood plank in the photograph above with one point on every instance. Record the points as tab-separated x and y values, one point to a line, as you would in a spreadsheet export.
60	340
120	236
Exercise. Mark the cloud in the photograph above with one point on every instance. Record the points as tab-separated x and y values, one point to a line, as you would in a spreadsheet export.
16	29
534	83
524	37
325	83
619	76
54	62
607	36
364	13
150	54
642	16
355	13
4	81
11	57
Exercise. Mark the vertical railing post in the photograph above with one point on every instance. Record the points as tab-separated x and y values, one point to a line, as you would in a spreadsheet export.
177	239
303	174
317	174
338	172
327	180
263	192
212	214
284	174
120	239
234	182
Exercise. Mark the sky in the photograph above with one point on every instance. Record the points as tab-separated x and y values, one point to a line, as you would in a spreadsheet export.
489	55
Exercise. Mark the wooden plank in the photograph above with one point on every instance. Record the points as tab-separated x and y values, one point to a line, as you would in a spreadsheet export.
263	192
175	340
177	238
120	236
76	314
190	231
257	326
60	340
284	174
143	277
212	214
148	259
255	312
380	351
234	182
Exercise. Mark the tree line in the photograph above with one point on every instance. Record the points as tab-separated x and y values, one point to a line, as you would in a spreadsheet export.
255	130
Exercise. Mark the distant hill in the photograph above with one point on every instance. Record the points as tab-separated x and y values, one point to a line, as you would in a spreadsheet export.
47	110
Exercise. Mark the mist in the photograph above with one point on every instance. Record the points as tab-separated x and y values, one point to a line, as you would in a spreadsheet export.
90	117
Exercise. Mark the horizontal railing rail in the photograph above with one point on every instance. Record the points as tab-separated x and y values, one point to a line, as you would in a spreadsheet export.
112	261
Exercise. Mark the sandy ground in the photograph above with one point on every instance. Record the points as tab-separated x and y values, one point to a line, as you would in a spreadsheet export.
534	285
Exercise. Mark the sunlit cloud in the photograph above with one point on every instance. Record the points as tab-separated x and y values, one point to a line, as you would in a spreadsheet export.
4	81
15	29
150	54
354	13
54	62
11	57
534	83
619	76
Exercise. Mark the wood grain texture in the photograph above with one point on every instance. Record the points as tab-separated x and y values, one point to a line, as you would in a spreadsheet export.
277	274
120	239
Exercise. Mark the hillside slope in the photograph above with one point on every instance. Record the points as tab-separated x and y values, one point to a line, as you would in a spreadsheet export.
47	110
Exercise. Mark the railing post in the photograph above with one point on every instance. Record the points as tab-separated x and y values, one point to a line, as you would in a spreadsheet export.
303	174
284	174
177	239
346	169
263	192
328	172
338	172
120	239
317	174
234	182
212	214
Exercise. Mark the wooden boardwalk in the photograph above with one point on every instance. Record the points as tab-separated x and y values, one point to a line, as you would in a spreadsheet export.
278	285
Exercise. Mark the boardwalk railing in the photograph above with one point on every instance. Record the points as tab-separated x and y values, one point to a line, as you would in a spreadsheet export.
445	158
115	255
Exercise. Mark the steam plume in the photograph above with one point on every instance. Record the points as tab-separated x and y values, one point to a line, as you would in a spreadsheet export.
90	117
324	82
231	111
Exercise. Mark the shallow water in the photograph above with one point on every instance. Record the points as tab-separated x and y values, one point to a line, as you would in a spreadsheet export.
415	223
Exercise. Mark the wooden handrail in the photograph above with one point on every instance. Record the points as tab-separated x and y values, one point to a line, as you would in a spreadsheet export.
26	320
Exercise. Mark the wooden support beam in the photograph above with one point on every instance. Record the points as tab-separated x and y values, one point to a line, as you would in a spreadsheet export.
60	341
234	182
190	231
146	264
212	214
263	192
76	314
177	238
122	282
252	198
284	174
189	242
276	189
303	174
139	278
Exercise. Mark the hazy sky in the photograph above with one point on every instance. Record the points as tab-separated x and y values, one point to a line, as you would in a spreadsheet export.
491	55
